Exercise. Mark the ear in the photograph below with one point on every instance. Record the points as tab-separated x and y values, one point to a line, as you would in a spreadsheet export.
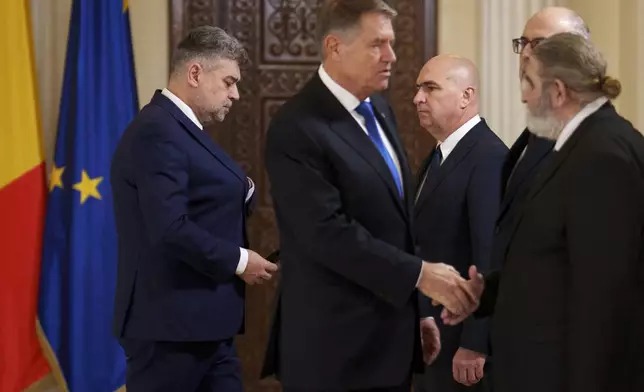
331	45
468	96
559	93
195	71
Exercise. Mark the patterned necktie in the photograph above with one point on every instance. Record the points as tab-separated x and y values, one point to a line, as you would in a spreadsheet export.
366	110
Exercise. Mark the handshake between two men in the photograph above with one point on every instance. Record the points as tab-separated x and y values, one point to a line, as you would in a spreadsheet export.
445	286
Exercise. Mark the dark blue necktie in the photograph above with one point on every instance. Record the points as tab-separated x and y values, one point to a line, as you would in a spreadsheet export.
366	110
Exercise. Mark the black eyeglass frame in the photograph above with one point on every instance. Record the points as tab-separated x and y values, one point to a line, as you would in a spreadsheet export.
518	44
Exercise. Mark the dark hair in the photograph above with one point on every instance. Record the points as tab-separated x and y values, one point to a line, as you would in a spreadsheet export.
578	64
342	15
207	42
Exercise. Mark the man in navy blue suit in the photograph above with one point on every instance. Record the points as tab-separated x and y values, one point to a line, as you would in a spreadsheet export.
457	202
181	205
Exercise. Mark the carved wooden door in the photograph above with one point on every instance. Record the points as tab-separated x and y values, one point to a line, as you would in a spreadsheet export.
279	37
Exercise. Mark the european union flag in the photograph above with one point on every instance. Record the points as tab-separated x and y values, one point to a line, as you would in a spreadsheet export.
78	273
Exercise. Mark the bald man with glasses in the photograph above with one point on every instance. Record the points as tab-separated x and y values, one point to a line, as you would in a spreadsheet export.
529	152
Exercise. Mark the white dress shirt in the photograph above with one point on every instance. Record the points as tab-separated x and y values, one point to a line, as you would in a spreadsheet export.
573	124
350	102
243	253
449	144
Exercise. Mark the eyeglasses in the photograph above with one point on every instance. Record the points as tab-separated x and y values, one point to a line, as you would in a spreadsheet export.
518	44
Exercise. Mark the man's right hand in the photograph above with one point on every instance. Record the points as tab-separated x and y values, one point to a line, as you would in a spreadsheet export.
258	269
445	286
475	285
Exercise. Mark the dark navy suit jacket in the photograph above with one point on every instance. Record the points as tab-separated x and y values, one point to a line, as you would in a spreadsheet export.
180	209
455	216
347	316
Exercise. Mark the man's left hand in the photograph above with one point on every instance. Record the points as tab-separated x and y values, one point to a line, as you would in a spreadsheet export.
430	338
467	366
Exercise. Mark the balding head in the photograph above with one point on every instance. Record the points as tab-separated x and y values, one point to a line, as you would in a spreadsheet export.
547	22
447	94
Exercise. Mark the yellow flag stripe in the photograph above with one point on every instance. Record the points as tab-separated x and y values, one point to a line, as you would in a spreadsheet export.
20	138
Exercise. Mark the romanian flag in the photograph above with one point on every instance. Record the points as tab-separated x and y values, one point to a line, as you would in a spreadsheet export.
79	258
22	202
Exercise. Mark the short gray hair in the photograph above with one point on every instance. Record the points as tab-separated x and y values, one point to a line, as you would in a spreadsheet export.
578	64
341	15
207	42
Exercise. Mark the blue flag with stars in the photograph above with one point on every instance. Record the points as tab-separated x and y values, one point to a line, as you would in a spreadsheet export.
78	272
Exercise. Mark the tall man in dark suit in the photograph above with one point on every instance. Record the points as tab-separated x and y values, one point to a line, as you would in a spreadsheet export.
456	208
568	313
348	317
529	153
181	205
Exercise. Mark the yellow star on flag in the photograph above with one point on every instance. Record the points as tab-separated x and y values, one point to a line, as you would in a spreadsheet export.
88	187
56	177
125	5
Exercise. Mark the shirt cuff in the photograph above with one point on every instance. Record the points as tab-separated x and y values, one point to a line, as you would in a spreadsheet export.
251	189
243	261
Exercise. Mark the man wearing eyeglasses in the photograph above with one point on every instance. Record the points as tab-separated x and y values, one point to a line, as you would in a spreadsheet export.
529	152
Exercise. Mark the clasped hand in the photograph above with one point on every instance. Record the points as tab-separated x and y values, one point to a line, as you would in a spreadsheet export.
447	287
258	269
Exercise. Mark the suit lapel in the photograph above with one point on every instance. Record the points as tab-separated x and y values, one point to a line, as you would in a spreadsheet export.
421	171
517	171
388	127
351	133
345	126
554	164
200	135
450	163
560	156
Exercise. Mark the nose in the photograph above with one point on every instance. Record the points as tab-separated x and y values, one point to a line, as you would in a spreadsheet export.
526	52
388	55
234	93
419	98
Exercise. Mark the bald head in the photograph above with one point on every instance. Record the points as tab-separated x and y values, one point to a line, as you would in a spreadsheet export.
552	20
447	94
549	21
456	69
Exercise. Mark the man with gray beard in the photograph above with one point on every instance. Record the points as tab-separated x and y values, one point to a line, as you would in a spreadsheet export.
568	315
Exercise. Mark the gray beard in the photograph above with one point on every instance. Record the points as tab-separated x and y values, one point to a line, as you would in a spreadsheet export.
546	126
542	122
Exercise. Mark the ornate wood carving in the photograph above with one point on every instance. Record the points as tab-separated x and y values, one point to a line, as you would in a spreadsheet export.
279	37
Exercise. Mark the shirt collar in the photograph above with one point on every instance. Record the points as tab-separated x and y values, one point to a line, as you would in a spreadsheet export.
348	100
573	124
449	144
182	106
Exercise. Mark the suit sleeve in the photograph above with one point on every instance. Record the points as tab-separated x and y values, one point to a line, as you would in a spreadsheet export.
488	298
604	234
162	185
310	207
483	200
